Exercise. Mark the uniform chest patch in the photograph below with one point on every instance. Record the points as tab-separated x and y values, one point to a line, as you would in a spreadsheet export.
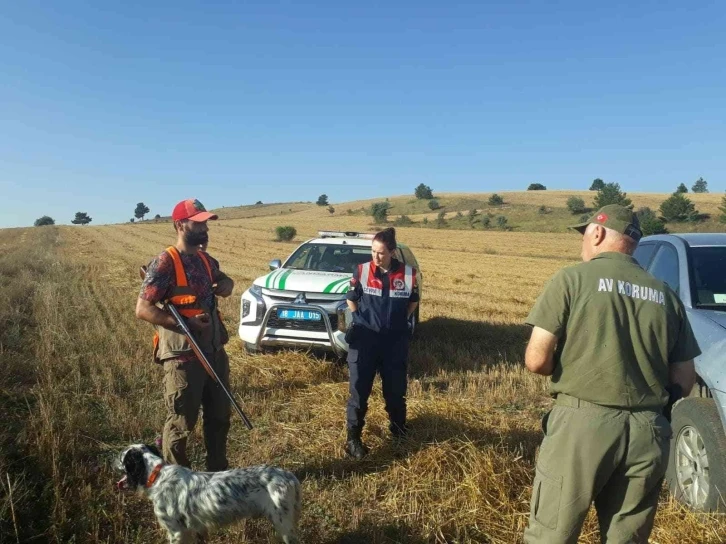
399	284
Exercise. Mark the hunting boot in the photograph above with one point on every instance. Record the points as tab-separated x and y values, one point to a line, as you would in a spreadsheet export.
399	431
354	447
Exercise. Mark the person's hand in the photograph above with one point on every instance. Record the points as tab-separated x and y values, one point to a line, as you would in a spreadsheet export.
199	323
223	288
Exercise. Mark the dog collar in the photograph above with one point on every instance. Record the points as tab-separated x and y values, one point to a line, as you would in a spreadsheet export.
154	475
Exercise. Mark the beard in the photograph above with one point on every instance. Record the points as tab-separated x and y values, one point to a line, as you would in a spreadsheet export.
196	238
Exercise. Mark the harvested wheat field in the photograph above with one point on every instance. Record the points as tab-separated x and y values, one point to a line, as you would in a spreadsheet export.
77	385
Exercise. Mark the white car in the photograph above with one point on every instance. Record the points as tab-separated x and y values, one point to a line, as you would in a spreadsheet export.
301	303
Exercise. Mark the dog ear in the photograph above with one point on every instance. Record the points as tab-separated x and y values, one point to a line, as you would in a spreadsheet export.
135	468
153	449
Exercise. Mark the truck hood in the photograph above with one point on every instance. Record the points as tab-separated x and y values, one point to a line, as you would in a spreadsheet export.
309	281
716	317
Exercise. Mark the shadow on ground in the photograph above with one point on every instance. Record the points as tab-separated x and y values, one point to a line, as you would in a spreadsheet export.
448	344
426	430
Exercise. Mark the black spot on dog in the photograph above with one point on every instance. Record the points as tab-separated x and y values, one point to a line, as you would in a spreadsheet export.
135	468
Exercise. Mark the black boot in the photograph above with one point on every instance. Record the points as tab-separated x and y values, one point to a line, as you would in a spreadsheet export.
354	447
398	430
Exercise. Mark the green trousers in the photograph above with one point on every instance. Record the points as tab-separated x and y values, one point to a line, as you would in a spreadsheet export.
187	388
614	458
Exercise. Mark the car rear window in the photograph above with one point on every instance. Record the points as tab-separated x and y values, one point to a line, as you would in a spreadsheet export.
328	257
709	278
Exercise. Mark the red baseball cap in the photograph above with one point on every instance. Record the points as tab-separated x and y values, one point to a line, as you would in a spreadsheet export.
191	209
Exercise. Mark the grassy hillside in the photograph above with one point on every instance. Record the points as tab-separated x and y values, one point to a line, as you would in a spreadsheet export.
522	210
77	385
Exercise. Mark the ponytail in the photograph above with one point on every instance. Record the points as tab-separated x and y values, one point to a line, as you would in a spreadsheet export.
387	237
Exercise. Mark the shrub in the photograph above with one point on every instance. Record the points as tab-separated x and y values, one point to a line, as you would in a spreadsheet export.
285	234
441	219
536	187
611	194
331	210
379	211
486	221
543	209
403	221
701	186
502	222
576	205
649	222
496	200
434	204
423	192
322	200
678	208
44	221
597	184
682	188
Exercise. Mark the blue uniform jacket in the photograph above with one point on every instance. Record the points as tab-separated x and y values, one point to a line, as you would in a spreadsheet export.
383	297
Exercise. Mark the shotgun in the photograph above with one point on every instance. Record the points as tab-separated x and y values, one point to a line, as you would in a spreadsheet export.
200	354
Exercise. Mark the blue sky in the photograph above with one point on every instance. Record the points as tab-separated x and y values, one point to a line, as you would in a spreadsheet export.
104	106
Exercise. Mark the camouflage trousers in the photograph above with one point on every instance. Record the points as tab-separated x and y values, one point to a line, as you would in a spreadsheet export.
614	458
187	388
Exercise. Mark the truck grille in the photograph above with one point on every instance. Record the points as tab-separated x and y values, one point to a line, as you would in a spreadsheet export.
298	325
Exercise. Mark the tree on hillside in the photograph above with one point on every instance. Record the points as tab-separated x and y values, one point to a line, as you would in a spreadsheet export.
649	222
44	221
157	217
722	208
331	210
701	186
576	205
423	192
379	211
322	200
141	210
82	218
536	187
496	200
611	194
597	184
682	188
678	207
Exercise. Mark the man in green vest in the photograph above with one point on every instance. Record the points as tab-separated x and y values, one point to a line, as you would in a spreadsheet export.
190	279
614	340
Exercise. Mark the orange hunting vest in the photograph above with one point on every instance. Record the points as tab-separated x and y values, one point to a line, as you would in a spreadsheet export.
186	302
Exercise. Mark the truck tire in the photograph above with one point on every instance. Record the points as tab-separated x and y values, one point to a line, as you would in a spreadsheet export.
696	473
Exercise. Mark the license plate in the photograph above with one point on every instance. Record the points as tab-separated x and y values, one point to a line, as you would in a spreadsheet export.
299	315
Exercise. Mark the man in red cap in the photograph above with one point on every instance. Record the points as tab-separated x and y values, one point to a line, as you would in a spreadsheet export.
189	278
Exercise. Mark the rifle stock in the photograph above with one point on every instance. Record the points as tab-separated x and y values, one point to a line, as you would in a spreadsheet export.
200	354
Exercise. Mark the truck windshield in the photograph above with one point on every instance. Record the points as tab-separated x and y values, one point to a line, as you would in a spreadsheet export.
709	276
328	257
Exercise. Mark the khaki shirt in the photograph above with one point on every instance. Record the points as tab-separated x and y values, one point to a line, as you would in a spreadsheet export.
618	329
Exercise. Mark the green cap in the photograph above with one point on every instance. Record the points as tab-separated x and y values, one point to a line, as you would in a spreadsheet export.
615	217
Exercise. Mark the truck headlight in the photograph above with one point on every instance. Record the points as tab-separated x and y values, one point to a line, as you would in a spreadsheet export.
246	307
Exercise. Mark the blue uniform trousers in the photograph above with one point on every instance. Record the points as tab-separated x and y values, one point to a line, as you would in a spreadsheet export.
386	354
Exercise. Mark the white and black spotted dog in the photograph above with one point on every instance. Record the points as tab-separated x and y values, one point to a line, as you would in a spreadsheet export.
189	504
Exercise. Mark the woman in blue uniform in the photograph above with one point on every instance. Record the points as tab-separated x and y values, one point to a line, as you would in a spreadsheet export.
382	297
